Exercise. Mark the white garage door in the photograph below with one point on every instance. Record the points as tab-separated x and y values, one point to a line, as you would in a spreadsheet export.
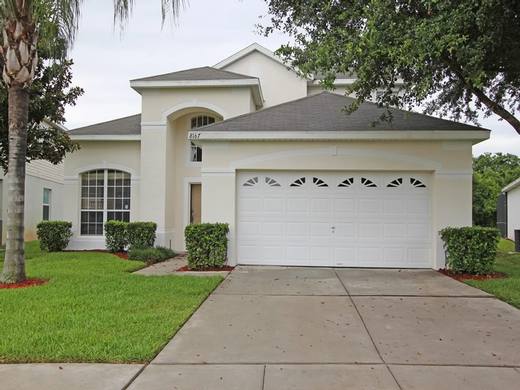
342	219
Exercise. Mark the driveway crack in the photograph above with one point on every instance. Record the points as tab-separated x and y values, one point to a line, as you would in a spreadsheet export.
366	329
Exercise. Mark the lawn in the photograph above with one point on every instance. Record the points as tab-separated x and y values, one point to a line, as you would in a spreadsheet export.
505	289
93	309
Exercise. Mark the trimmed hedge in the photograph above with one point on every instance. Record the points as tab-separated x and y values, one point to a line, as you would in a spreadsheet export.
54	236
151	255
116	236
206	244
470	250
141	235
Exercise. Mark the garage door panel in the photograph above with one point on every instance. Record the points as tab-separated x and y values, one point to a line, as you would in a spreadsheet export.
335	219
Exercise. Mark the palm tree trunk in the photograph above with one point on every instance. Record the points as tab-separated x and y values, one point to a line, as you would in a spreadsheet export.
14	263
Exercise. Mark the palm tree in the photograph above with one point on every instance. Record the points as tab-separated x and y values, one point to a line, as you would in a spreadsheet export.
22	23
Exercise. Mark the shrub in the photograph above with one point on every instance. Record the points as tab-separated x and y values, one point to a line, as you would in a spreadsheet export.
54	236
206	244
151	255
141	235
116	236
470	250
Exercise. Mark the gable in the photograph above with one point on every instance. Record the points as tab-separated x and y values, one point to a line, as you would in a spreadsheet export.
279	83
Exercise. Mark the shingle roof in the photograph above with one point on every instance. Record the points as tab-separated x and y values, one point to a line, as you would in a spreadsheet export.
325	112
203	73
130	125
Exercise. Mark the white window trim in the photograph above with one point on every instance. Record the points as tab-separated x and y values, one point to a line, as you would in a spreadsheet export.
189	162
49	204
105	201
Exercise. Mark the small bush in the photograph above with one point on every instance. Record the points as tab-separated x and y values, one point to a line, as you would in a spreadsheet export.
151	255
54	236
141	235
470	250
116	236
206	244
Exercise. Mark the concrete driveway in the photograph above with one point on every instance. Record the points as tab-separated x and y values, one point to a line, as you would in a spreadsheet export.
272	328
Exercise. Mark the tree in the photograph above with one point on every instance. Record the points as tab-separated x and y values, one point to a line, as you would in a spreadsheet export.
455	57
49	94
491	173
22	22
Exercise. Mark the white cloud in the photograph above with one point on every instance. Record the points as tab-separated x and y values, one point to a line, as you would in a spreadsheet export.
206	32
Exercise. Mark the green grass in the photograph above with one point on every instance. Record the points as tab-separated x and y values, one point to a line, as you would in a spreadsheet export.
93	309
507	289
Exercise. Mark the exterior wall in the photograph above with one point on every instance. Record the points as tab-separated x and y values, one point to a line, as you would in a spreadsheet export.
39	175
165	170
121	155
279	84
513	212
159	104
449	162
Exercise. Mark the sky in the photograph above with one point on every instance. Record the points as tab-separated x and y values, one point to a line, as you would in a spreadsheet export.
206	32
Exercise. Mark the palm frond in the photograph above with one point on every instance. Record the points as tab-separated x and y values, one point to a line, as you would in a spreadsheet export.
123	9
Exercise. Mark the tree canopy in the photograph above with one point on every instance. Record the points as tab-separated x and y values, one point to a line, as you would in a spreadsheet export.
49	94
455	58
491	173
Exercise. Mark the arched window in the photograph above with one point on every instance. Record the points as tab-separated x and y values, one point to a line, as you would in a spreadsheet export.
199	121
105	196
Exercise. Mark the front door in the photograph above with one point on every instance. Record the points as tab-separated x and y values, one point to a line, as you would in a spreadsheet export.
195	206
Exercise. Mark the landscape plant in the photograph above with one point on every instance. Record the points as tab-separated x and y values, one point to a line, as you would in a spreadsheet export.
151	255
54	236
141	235
471	249
116	236
206	244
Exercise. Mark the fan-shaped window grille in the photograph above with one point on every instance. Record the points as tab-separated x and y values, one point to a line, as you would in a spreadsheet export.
271	182
319	182
395	183
298	182
417	183
347	182
251	182
367	182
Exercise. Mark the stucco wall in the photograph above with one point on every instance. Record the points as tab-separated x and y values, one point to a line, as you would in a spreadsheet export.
158	104
121	155
34	204
449	162
278	83
513	212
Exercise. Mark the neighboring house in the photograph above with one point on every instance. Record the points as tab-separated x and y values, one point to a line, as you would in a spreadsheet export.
43	194
300	182
509	209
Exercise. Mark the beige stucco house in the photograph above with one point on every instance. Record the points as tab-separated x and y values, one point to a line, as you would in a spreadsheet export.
249	142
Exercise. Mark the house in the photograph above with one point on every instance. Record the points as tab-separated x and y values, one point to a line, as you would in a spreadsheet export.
508	211
43	194
300	182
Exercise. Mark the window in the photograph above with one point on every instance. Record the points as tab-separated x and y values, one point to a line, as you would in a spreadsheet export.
105	196
199	121
46	204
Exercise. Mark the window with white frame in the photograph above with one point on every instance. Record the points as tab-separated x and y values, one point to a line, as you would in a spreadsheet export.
46	204
199	121
105	196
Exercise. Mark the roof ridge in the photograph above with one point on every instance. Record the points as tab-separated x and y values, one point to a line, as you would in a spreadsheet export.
148	78
273	107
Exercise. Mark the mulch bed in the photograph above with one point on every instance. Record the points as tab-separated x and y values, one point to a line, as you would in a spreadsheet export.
26	283
462	277
214	269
